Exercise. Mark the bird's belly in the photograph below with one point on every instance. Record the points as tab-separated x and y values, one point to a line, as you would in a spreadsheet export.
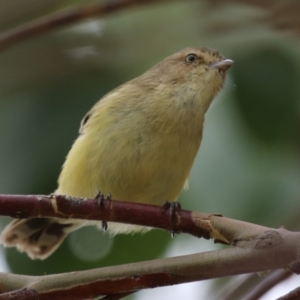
147	172
152	177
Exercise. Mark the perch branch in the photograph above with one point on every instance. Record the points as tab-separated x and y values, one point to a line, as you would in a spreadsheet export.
254	249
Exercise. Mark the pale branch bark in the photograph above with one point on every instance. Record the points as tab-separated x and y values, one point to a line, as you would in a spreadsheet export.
158	273
254	249
259	286
257	256
65	17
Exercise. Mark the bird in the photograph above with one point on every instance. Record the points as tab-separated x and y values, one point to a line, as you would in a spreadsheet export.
138	143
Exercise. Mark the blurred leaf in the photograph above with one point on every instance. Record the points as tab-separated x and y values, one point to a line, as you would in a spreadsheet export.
125	249
267	90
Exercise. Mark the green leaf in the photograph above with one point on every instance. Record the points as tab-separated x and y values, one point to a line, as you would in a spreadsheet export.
266	86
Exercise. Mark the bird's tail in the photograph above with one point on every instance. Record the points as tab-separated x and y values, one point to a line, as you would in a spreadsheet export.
38	237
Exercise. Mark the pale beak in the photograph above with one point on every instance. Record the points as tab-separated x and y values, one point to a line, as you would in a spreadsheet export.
222	65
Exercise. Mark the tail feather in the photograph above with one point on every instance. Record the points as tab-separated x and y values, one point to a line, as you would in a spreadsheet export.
38	237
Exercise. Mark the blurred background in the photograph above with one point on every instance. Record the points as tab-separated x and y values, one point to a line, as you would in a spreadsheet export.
248	167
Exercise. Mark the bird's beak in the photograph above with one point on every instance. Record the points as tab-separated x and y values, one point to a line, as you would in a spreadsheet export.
222	65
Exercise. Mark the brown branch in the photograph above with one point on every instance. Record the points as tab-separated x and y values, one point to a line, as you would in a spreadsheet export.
259	254
255	249
256	285
63	18
20	206
24	293
282	15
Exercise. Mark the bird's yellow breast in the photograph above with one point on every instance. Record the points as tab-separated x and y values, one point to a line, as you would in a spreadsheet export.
132	151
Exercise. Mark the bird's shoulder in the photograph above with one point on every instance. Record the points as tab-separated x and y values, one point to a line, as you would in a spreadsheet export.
119	98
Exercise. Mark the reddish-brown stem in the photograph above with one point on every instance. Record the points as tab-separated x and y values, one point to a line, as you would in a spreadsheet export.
27	206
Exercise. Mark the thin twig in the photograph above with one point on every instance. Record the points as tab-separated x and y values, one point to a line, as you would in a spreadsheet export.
257	286
63	18
268	283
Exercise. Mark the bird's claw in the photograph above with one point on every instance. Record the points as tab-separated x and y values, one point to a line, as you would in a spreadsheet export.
100	201
173	208
99	198
104	226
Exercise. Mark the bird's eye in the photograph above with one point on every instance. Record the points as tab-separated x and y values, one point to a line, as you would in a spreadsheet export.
190	58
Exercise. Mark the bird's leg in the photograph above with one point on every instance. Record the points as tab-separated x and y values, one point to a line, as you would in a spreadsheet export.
173	208
100	200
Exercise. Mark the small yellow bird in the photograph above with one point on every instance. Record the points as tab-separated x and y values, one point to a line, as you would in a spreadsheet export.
138	143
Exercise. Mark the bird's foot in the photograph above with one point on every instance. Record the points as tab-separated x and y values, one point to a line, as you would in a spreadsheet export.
100	201
173	208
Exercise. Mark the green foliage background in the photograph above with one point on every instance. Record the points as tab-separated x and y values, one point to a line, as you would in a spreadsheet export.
249	164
